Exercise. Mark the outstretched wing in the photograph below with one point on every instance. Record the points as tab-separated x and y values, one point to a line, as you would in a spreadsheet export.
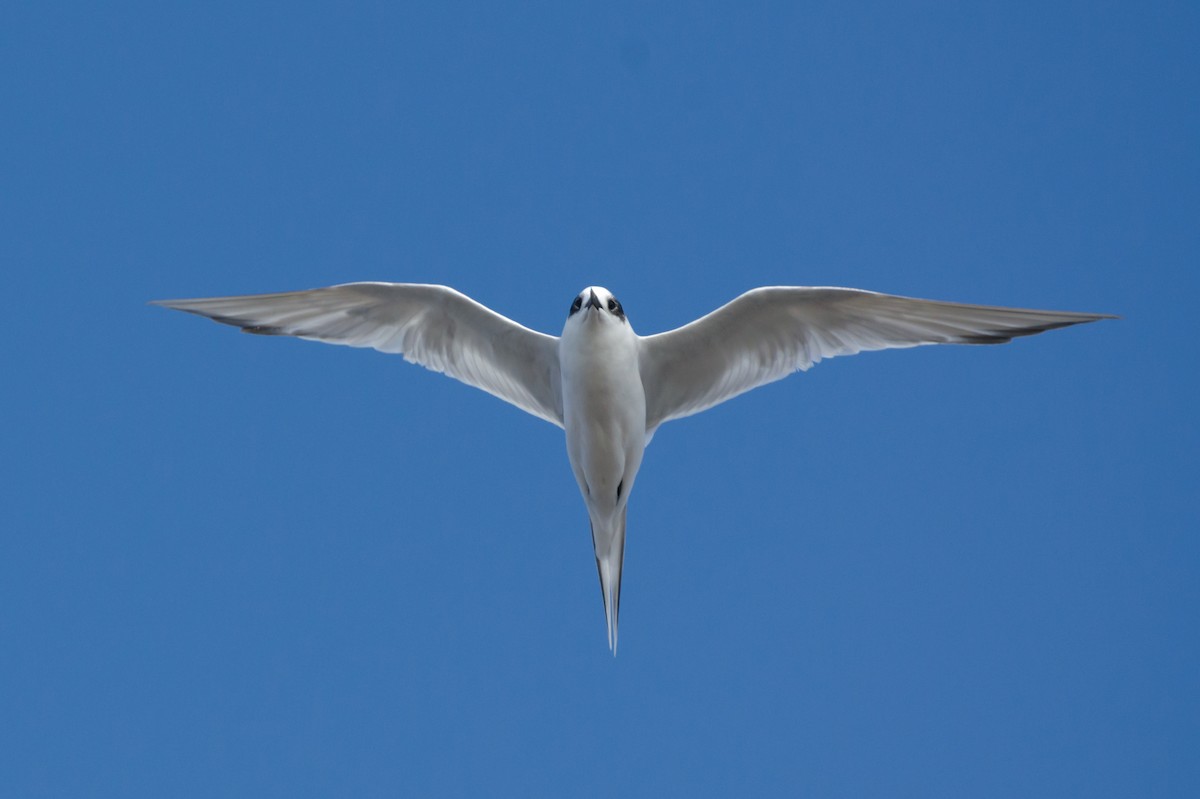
434	326
768	333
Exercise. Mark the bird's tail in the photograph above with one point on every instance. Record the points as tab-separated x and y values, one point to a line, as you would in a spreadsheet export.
610	557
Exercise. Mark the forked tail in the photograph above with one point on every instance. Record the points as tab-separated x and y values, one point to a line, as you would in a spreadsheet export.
610	557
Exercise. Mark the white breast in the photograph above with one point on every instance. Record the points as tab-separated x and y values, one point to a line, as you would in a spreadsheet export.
604	407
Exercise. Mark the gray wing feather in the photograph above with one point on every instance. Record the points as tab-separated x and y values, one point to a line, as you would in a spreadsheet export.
434	326
768	333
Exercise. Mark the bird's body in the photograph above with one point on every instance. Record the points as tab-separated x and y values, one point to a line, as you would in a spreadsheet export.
607	387
604	414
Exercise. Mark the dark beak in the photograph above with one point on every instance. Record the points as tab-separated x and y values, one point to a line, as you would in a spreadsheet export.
592	302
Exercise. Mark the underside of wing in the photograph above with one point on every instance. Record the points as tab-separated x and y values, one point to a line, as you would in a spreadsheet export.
434	326
768	333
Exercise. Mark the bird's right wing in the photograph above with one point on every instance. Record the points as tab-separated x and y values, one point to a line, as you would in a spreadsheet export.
434	326
768	333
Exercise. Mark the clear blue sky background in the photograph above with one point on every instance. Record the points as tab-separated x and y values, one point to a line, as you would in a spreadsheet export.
235	566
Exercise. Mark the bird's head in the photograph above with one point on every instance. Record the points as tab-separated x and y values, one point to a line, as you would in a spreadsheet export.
596	303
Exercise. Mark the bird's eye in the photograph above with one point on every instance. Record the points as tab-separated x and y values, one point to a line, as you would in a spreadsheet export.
612	305
575	306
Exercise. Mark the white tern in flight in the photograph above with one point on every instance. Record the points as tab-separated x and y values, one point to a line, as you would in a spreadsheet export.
606	386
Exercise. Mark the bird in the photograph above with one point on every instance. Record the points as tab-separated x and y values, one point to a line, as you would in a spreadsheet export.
607	387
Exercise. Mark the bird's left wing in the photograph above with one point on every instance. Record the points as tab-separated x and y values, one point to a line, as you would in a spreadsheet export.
768	333
434	326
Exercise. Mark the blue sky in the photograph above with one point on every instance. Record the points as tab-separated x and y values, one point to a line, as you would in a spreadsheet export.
236	566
